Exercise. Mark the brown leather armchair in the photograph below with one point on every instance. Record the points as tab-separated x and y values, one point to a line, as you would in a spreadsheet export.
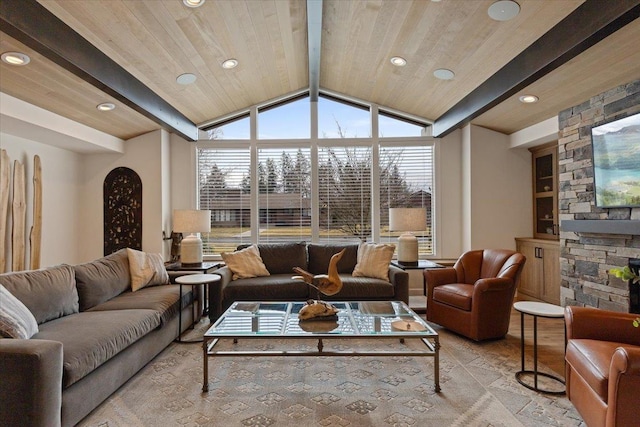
474	297
603	366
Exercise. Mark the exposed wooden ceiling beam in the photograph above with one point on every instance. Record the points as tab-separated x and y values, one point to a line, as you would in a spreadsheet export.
33	25
590	23
314	37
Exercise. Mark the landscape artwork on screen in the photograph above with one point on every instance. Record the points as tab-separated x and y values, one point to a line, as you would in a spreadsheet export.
616	162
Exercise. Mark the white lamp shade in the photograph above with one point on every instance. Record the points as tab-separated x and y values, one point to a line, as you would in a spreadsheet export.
407	219
191	221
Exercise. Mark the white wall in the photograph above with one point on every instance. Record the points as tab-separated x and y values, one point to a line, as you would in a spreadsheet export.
61	205
143	154
498	205
449	175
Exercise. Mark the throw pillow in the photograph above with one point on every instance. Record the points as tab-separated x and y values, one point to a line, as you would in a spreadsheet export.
16	321
373	260
245	263
146	269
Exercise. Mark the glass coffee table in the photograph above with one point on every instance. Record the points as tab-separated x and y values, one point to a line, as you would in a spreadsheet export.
376	320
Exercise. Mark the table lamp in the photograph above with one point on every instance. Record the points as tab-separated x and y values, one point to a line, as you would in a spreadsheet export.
192	222
407	220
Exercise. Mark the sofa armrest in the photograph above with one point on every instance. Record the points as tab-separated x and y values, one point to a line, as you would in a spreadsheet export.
216	293
603	325
400	281
31	386
624	383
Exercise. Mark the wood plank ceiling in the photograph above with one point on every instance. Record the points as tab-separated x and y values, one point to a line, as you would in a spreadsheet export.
157	40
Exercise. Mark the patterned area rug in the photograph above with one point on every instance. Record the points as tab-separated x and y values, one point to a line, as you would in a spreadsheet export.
477	380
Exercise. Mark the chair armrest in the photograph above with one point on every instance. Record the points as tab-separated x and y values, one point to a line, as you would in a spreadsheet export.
624	383
400	281
603	325
31	386
492	284
439	276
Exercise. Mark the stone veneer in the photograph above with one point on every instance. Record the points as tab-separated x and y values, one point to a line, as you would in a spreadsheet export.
586	257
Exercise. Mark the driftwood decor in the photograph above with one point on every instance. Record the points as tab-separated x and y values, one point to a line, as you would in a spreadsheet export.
5	176
122	194
19	217
330	283
35	238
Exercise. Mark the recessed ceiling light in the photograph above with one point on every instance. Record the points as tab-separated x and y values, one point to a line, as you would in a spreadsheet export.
230	63
503	10
15	58
105	106
193	3
444	74
398	61
528	99
186	79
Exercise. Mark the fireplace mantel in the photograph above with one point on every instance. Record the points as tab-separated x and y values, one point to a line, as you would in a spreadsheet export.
604	226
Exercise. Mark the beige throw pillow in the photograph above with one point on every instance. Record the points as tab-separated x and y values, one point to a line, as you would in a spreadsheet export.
373	260
16	321
245	263
146	269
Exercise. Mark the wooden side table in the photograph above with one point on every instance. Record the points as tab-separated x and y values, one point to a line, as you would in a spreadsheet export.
420	265
193	280
536	309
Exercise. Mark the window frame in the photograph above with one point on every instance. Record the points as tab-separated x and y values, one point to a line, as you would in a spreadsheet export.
314	144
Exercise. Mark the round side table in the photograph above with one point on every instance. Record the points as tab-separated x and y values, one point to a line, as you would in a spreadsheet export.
536	309
194	280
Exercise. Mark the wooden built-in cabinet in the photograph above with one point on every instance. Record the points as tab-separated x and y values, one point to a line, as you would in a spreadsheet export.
540	278
545	193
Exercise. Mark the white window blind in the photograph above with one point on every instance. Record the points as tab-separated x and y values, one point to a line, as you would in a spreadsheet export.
344	189
224	188
284	179
406	181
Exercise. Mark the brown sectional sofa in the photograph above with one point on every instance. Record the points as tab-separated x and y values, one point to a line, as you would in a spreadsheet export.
280	258
94	334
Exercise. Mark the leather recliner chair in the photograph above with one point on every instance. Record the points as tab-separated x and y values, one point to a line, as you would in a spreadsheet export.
474	297
603	366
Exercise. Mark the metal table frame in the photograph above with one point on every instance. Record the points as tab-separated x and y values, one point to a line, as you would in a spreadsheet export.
523	371
429	338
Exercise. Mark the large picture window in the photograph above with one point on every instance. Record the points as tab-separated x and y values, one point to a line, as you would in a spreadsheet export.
313	189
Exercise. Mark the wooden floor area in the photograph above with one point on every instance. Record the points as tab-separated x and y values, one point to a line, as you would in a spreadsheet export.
550	336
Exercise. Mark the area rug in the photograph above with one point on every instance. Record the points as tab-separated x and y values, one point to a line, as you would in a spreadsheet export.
477	380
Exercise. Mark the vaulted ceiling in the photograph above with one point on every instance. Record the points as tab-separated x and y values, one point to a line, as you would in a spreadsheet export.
154	41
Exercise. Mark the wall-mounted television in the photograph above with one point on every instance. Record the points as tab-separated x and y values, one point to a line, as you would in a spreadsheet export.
616	162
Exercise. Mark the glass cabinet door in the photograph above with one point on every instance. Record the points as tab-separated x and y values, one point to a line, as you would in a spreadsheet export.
545	194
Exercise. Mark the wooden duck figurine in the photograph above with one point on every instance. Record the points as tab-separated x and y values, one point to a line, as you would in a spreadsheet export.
329	284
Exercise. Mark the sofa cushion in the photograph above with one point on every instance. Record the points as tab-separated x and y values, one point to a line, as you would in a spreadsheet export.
245	263
280	258
363	288
374	260
48	293
592	359
457	295
16	321
91	338
146	269
320	255
162	299
102	279
272	288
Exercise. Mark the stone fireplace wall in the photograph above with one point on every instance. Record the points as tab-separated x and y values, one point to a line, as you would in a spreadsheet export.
586	256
